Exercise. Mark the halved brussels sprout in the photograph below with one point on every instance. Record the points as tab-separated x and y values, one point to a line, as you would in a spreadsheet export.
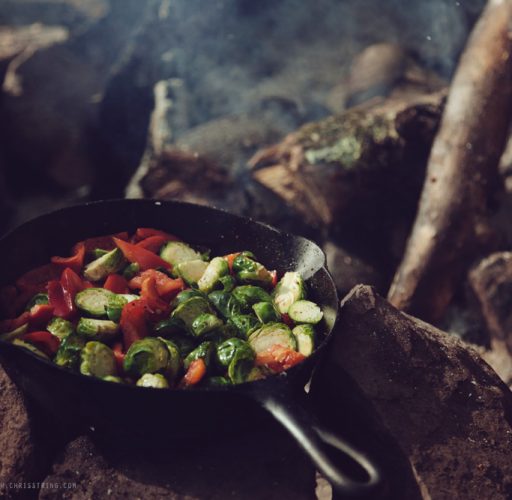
305	311
93	301
266	312
156	381
217	268
174	365
191	270
204	350
97	329
100	268
249	271
185	295
29	347
131	270
244	324
289	289
69	351
248	295
97	360
99	252
305	336
205	323
37	299
176	252
60	327
14	334
225	351
115	304
272	334
148	355
241	365
189	310
225	303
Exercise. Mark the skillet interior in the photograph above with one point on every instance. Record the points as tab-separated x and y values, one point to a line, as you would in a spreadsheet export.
103	404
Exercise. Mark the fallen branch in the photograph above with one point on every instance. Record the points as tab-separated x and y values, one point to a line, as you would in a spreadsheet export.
461	170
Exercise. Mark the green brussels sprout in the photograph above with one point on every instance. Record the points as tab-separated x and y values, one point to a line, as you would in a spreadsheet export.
228	283
189	310
248	295
115	304
191	271
185	295
37	299
225	352
68	354
290	289
29	347
225	303
216	382
113	378
148	355
305	311
204	350
266	312
176	252
131	270
93	301
99	252
249	271
169	327
154	380
272	334
205	323
14	334
221	333
217	268
244	324
60	327
174	365
241	364
97	360
305	336
109	263
97	329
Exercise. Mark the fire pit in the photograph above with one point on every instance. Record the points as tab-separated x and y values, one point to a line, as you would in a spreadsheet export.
379	131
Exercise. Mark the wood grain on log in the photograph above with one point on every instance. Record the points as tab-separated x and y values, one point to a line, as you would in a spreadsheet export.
462	169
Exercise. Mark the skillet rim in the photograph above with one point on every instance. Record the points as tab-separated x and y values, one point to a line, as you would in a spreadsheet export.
252	386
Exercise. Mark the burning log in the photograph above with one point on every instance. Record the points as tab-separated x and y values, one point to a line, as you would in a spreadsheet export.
355	173
462	169
447	411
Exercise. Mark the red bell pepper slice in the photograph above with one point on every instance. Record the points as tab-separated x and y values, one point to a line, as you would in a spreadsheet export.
230	258
8	325
119	356
146	232
143	257
166	287
61	294
74	262
45	341
152	243
35	281
40	314
116	284
195	373
279	358
150	294
133	322
103	242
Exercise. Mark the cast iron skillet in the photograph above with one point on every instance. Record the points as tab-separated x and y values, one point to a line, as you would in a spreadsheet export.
145	412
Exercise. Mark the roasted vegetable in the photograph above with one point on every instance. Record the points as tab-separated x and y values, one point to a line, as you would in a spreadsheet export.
189	310
249	271
225	352
205	323
39	298
100	268
289	289
272	334
305	337
93	301
266	312
131	270
244	324
191	270
225	303
115	304
60	327
149	355
175	363
228	283
69	351
217	269
97	329
248	295
176	252
204	351
156	381
97	360
305	311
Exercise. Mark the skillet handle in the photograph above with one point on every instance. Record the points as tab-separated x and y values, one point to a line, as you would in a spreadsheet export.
293	414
